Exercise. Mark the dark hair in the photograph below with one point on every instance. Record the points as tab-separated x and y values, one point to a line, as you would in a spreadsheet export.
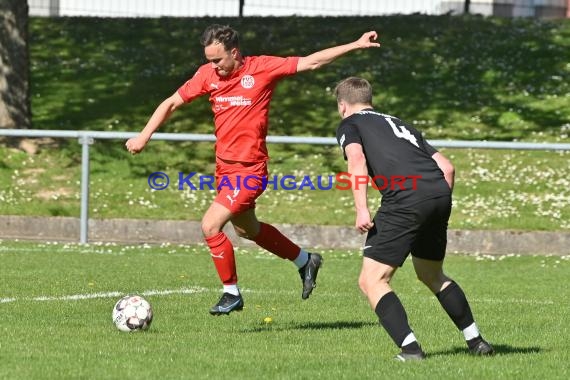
220	33
354	90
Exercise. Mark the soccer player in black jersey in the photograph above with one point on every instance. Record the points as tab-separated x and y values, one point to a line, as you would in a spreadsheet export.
416	182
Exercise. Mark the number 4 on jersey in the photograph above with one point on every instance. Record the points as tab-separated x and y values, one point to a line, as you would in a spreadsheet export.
402	132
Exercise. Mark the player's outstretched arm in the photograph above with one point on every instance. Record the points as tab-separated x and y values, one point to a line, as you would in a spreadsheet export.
161	114
320	58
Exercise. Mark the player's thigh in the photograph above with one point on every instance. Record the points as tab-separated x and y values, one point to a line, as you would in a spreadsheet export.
431	240
215	219
391	238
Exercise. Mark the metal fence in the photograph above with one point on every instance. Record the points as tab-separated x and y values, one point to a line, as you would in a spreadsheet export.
86	138
234	8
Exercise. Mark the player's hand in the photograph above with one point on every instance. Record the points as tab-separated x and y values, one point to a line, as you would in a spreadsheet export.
363	222
367	40
136	144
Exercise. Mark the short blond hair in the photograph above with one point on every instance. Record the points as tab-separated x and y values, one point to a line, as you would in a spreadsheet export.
354	90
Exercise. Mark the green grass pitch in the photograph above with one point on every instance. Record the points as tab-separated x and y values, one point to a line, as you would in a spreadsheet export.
56	302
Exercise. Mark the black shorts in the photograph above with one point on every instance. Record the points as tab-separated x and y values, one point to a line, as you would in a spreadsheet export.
420	230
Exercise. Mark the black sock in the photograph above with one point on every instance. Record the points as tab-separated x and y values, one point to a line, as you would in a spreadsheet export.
393	318
455	304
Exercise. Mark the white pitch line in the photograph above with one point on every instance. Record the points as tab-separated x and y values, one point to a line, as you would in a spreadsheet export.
76	297
80	297
197	289
193	290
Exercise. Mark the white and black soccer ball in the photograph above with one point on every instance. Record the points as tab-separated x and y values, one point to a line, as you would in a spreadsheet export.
132	313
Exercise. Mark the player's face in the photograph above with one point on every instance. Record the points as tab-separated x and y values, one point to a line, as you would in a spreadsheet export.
223	61
341	107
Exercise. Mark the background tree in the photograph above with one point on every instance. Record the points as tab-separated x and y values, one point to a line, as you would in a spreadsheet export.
14	65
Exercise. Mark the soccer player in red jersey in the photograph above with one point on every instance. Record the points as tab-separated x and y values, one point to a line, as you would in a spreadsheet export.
240	90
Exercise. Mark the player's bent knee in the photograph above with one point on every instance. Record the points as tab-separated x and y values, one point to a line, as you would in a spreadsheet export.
209	229
426	279
366	283
243	234
247	231
434	281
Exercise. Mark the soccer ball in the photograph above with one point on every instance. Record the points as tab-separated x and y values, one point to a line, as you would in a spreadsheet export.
132	313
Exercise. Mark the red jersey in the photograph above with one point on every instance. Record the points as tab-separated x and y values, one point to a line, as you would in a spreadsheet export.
240	103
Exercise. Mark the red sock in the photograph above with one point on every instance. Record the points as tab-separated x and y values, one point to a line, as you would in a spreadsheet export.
222	252
275	242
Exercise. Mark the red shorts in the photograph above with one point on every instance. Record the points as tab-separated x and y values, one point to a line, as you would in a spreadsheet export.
239	184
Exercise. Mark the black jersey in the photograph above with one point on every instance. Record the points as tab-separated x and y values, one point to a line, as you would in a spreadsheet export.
397	156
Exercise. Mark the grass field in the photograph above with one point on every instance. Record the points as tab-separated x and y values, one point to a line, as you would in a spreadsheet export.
453	77
56	302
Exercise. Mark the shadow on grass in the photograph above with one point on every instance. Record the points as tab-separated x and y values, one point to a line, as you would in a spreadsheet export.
339	325
500	349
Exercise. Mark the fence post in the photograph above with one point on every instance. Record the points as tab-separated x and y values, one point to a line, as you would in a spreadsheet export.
85	140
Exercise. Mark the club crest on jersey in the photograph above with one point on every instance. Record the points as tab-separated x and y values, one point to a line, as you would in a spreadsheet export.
247	81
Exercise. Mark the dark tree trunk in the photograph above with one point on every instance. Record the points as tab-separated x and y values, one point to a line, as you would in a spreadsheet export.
466	6
15	107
